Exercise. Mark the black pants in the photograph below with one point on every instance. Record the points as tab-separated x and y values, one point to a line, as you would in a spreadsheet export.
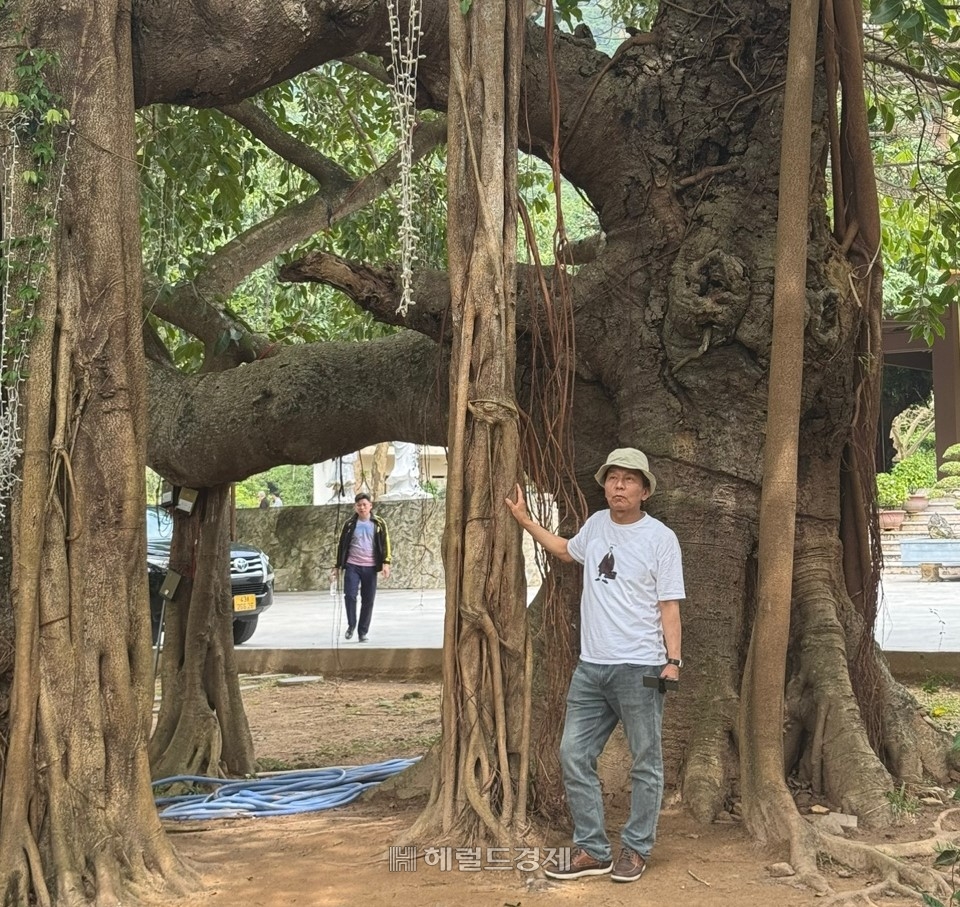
364	579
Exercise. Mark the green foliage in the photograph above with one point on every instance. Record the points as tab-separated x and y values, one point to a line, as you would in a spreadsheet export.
892	490
950	470
606	19
932	684
39	110
918	470
946	486
948	858
205	182
917	155
38	122
295	484
902	803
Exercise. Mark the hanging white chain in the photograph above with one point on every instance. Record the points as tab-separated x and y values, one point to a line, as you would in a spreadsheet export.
405	57
18	309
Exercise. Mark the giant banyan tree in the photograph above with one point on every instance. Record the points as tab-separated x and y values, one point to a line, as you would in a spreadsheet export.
674	141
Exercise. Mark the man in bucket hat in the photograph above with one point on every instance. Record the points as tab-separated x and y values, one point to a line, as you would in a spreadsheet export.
629	628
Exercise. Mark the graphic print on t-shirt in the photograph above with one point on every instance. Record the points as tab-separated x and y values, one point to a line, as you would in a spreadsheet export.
605	571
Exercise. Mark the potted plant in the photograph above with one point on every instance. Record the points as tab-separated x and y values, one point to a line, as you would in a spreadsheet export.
917	500
891	493
919	471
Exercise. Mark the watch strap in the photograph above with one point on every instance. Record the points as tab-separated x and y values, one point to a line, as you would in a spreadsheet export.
675	661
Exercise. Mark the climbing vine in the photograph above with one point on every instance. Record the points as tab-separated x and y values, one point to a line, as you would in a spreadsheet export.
33	160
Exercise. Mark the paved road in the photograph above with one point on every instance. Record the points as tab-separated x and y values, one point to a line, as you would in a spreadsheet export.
919	617
402	619
914	617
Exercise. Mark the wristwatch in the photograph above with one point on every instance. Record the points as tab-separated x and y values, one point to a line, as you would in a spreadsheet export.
675	661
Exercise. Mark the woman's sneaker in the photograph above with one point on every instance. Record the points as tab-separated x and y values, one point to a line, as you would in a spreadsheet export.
630	866
581	864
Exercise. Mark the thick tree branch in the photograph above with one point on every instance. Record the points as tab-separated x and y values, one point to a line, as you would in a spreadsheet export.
205	56
263	242
377	290
246	252
331	176
582	251
217	328
197	308
306	404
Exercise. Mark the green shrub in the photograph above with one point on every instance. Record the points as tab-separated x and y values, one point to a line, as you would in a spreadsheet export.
950	470
919	470
892	490
947	485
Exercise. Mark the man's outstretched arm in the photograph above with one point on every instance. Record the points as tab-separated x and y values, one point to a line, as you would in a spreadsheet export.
552	544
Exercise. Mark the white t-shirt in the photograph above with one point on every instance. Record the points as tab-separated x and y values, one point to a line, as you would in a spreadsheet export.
627	570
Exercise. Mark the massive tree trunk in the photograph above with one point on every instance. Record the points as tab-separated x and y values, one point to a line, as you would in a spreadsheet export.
673	326
77	822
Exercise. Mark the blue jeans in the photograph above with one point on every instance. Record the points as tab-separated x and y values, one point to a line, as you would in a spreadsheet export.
364	579
599	697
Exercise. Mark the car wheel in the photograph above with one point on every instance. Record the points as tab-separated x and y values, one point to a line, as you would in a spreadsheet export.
243	630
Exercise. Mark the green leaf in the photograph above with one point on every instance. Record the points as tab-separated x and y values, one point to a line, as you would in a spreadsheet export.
936	12
886	11
465	6
912	25
953	181
888	119
947	857
930	901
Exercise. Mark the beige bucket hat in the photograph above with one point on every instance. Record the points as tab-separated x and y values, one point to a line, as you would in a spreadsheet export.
628	458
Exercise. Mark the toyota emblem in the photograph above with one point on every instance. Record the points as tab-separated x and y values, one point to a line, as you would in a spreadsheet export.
240	564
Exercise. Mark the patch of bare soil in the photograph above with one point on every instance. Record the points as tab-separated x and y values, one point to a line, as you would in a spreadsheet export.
343	856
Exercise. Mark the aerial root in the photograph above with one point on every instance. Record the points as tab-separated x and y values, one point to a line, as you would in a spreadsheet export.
898	875
864	896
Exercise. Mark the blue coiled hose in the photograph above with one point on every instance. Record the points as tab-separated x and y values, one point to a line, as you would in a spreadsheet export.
283	794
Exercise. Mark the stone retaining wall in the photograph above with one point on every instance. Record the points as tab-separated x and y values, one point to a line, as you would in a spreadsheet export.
301	542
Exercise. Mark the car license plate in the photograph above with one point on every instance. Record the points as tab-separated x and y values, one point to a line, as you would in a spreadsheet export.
244	602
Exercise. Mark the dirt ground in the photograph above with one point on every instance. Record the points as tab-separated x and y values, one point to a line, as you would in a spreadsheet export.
342	856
